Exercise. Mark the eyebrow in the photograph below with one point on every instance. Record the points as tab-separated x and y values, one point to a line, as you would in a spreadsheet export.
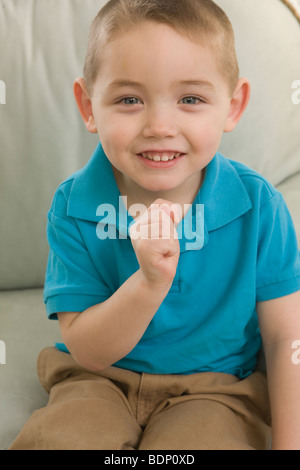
125	83
177	84
200	83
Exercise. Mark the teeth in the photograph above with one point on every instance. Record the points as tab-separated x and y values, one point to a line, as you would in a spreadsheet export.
161	157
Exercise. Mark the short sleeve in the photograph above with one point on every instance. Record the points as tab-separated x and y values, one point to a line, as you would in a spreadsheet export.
72	282
278	259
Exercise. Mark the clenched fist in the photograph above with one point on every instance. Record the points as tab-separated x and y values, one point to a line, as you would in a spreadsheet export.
155	242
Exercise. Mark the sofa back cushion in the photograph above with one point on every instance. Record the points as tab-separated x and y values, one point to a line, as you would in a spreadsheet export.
42	137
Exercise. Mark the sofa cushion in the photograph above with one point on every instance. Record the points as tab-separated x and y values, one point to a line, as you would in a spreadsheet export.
24	332
268	43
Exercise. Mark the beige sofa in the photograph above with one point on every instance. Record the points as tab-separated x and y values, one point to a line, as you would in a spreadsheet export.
42	141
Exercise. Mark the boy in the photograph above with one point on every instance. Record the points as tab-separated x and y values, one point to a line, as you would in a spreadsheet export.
163	332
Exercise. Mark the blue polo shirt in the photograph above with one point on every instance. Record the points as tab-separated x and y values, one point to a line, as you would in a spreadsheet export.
245	251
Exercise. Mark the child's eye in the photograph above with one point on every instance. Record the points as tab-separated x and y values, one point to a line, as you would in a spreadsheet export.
191	100
129	100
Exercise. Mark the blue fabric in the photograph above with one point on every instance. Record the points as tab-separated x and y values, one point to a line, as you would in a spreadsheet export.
246	251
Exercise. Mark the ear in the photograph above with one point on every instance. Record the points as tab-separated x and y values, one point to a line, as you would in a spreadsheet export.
238	104
84	105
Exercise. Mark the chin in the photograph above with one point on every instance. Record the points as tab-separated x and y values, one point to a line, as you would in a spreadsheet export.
159	188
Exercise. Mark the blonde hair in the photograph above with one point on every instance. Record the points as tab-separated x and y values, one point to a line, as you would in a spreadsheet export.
199	20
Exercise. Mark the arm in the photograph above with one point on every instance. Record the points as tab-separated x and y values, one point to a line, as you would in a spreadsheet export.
105	333
280	326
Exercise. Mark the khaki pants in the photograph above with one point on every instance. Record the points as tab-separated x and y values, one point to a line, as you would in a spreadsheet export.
117	409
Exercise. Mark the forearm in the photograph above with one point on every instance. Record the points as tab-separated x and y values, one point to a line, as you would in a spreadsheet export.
105	333
284	387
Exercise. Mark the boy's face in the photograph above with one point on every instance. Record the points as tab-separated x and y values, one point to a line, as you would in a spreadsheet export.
160	106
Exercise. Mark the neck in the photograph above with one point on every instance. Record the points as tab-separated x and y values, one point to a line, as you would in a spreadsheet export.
183	195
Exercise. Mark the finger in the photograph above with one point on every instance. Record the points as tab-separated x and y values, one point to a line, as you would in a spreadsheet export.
158	221
161	226
167	248
156	230
172	210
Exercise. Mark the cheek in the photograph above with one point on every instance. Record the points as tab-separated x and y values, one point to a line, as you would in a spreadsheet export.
115	141
202	135
116	132
205	139
211	130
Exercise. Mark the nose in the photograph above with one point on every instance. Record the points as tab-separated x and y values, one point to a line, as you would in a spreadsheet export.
160	124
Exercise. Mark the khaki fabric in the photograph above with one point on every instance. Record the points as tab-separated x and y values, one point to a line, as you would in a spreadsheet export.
117	409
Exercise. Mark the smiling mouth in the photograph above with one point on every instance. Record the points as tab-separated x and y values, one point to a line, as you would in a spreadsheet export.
161	156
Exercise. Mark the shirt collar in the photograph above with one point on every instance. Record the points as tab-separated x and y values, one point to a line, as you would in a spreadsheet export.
92	186
222	194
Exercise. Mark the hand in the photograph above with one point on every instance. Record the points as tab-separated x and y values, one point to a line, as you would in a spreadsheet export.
155	242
